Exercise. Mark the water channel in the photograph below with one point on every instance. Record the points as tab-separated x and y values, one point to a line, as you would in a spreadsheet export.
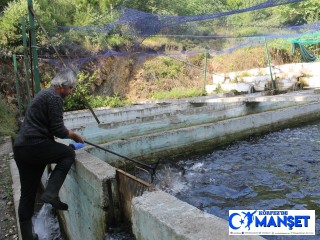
279	170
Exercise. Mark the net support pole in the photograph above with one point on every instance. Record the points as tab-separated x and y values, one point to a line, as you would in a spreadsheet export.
269	64
15	69
25	55
34	53
205	71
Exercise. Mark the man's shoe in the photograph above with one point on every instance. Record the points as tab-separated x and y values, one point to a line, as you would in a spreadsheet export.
55	202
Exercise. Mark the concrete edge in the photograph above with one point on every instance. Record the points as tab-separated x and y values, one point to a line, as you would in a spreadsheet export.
16	191
6	148
158	215
5	145
90	169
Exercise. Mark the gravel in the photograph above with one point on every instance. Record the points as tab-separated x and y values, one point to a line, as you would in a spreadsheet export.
8	221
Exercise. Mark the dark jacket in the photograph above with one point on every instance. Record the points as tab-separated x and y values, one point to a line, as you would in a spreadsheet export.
43	120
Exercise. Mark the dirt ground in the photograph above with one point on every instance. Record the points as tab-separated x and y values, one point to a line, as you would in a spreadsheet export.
8	223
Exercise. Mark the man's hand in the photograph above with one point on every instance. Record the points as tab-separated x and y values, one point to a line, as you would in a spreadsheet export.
76	137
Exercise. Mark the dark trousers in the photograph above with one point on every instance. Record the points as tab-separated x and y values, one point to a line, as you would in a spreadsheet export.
31	162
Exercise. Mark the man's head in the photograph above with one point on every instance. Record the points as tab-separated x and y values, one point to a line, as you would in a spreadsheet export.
64	82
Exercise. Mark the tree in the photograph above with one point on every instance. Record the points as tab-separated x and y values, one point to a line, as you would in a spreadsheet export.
3	3
10	22
300	13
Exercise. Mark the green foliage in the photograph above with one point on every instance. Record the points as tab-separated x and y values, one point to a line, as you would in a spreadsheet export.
281	44
197	60
8	123
90	15
116	40
235	4
10	22
147	5
61	12
304	12
3	3
82	96
53	14
99	12
112	102
219	90
189	7
177	93
163	67
252	22
103	5
75	13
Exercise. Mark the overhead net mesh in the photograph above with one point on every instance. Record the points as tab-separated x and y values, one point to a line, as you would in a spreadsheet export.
208	31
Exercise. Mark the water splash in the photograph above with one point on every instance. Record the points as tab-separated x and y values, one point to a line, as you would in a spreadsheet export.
170	180
46	224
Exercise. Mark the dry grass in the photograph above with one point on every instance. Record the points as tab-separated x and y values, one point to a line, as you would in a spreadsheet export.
248	58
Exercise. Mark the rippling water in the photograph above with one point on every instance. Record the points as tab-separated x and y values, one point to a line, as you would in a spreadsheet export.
279	170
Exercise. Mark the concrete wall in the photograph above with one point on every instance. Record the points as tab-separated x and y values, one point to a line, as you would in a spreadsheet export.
287	77
130	123
205	136
292	70
160	216
90	191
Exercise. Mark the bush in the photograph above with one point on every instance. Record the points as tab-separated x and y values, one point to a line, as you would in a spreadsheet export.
178	93
82	96
113	102
163	67
10	23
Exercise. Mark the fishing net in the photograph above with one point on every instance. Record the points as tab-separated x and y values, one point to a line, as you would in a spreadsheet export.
300	43
207	32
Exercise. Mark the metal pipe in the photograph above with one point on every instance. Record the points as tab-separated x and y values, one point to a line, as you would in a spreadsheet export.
31	66
119	155
25	54
205	71
15	67
269	64
34	48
